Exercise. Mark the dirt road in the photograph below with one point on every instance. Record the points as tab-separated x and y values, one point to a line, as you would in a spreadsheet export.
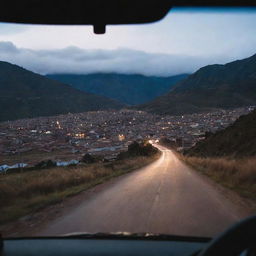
164	197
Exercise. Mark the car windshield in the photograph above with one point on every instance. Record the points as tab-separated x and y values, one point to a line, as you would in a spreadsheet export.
145	129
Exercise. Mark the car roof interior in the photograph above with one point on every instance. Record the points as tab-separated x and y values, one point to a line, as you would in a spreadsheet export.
98	13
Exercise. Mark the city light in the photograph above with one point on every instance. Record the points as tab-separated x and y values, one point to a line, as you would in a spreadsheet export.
121	137
80	135
102	130
58	124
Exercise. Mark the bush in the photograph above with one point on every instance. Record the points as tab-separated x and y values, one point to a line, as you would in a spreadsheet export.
138	149
88	159
45	164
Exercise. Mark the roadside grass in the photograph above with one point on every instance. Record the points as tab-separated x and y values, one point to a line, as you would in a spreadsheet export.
236	174
24	193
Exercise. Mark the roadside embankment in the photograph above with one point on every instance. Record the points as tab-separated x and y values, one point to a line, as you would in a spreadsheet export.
236	174
26	192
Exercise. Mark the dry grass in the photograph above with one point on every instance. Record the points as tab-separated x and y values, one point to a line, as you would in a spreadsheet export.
22	193
236	174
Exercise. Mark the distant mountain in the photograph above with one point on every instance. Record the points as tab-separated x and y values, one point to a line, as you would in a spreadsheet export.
128	89
211	87
25	94
237	140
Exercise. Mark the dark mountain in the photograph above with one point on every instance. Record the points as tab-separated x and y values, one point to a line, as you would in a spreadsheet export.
237	140
129	89
215	86
25	94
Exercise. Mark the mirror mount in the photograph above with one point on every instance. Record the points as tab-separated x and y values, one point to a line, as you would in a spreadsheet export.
99	29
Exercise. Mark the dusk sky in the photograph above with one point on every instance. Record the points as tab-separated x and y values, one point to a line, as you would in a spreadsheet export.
185	40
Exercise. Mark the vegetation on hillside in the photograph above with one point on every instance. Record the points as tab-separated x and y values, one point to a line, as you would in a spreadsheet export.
237	140
228	156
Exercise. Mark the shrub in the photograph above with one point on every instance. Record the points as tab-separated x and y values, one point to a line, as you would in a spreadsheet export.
88	159
138	149
45	164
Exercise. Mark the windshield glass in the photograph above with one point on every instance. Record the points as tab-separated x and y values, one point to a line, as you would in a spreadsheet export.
138	130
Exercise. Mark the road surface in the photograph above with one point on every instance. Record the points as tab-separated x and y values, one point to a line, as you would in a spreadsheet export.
163	197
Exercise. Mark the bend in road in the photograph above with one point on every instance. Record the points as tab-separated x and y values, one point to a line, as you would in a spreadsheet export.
163	197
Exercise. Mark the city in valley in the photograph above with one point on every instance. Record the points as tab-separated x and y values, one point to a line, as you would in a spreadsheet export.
66	138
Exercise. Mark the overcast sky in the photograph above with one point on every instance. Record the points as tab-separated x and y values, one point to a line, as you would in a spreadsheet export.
185	40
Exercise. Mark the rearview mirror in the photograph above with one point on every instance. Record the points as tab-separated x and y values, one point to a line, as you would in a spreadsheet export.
81	12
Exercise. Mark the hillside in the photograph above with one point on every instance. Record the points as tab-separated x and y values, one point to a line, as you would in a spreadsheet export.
24	94
211	87
128	89
237	140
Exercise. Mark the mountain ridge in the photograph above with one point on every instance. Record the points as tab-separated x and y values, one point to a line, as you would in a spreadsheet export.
211	87
129	89
25	94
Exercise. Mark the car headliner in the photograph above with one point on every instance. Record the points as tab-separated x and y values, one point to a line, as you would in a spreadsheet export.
98	13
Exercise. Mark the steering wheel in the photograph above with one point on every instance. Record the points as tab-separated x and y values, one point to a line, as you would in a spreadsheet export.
233	241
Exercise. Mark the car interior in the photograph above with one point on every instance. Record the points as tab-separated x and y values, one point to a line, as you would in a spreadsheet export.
239	239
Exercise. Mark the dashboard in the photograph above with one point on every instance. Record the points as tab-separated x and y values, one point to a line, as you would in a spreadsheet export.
98	247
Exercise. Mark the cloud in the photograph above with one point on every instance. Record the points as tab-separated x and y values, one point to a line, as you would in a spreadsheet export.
9	29
8	48
74	60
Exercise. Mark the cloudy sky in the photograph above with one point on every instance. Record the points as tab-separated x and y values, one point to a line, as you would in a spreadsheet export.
185	40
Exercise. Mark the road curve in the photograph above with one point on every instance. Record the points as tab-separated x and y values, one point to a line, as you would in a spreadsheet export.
163	197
